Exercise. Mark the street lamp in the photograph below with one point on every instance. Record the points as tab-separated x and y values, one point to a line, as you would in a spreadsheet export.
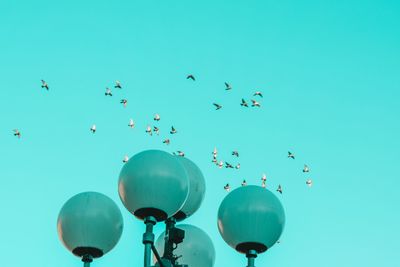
89	225
251	220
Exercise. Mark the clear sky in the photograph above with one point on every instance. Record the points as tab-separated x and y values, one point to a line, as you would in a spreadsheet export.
329	72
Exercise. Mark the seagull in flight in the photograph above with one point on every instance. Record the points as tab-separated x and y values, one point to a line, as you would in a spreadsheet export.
179	153
237	167
235	153
244	103
220	164
131	123
156	130
149	130
126	158
118	85
264	177
306	168
227	86
45	85
173	130
217	106
215	152
17	133
227	165
214	160
124	102
108	92
166	141
258	93
227	187
93	128
279	189
190	76
156	117
244	183
290	155
263	184
255	103
309	182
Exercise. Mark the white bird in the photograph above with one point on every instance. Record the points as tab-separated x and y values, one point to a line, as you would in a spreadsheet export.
220	164
227	187
179	153
17	133
258	93
264	177
118	85
108	92
279	189
309	182
214	160
156	130
173	130
156	117
131	123
167	141
237	166
124	102
290	155
227	86
263	184
255	103
45	85
149	130
215	152
126	158
244	183
306	168
93	128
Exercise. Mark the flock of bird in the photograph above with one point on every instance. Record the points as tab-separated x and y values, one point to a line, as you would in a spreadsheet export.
155	129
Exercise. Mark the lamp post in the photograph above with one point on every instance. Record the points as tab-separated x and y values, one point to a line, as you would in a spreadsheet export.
156	186
251	220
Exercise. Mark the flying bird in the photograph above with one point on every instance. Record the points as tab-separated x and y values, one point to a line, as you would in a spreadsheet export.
258	93
227	187
156	117
306	168
45	85
244	103
220	164
227	86
131	123
149	130
244	183
263	184
290	155
173	130
309	182
166	141
125	160
217	106
237	167
124	102
17	133
214	160
179	153
227	165
235	153
264	177
108	92
118	85
93	128
279	189
156	130
215	152
255	103
190	76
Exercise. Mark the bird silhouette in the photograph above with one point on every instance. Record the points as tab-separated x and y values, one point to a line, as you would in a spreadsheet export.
228	166
244	103
190	76
124	102
45	85
131	123
244	183
179	153
125	160
279	189
309	182
156	130
264	177
108	92
237	167
255	103
173	130
167	141
227	187
258	93
227	86
149	130
118	85
17	133
156	117
306	168
93	128
235	153
220	164
290	155
217	106
263	184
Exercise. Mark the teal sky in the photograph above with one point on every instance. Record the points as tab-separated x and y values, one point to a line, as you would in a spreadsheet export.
329	71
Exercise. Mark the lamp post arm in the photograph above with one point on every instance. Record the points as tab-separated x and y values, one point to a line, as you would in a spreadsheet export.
251	255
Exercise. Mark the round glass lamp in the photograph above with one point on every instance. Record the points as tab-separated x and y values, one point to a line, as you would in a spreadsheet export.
251	218
89	224
197	249
153	183
197	188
